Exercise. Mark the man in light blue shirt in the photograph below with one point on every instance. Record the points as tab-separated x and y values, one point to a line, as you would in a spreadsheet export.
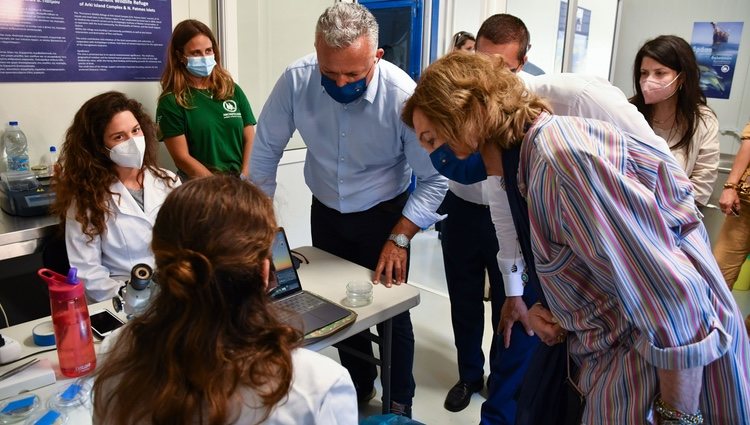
346	103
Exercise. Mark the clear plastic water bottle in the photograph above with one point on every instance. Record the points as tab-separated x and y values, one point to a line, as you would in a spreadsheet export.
70	318
16	148
49	160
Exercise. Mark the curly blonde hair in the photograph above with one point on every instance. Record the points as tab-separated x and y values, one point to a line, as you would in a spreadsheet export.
473	99
87	172
175	78
211	329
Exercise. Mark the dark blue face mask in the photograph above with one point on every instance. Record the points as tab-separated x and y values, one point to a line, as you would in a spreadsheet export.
465	171
346	94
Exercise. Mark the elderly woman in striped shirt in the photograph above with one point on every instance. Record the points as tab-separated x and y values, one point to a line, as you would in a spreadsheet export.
621	252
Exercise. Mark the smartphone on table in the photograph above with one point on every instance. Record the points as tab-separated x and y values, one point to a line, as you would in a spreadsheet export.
104	322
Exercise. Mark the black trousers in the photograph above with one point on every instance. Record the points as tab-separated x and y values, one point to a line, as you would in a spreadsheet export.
469	248
359	237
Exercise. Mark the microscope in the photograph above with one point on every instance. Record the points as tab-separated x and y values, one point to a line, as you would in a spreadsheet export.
134	297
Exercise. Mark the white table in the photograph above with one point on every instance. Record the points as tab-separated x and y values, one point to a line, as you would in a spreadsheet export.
325	275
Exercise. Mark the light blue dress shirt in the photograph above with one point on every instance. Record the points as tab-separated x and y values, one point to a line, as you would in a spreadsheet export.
358	154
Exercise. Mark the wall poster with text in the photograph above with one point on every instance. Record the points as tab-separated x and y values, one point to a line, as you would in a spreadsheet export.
716	45
83	40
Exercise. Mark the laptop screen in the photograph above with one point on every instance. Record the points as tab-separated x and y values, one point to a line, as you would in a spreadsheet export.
283	274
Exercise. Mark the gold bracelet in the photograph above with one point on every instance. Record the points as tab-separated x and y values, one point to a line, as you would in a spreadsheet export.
732	186
668	412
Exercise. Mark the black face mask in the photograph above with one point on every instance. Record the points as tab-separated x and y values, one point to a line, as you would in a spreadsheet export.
465	171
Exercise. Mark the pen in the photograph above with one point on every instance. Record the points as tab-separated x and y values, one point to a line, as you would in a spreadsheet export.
18	369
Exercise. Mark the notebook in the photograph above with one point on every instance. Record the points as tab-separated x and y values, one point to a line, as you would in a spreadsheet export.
314	315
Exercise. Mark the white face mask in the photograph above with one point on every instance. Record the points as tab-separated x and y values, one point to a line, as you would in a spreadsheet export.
656	91
129	154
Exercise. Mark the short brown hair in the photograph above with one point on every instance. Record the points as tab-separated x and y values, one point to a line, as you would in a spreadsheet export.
503	28
476	96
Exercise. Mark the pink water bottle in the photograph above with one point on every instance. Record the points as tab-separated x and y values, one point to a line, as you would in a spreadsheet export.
70	317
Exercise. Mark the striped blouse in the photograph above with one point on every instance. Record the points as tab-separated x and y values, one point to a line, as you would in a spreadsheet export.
626	265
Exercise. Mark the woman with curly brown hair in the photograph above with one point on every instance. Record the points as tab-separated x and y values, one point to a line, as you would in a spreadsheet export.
209	348
205	118
109	190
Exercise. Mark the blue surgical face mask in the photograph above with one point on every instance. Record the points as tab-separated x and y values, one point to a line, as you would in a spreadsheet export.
201	66
346	94
465	171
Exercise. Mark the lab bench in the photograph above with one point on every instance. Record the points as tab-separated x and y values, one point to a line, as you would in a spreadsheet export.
21	236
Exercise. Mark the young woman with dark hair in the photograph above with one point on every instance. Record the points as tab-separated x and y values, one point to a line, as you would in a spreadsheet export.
463	40
667	92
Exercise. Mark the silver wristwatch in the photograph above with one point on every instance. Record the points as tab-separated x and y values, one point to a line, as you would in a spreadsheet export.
400	239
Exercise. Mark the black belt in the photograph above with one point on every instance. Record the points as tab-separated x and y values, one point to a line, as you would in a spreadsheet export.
393	205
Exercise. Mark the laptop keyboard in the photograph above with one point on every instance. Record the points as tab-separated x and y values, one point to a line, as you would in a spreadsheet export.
301	303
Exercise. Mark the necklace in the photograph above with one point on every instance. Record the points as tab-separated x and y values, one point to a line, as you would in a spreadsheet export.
205	92
670	117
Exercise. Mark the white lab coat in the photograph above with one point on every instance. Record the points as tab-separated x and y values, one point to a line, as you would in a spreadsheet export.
322	393
104	263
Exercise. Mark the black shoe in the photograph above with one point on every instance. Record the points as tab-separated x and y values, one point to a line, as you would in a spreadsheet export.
401	409
460	395
363	397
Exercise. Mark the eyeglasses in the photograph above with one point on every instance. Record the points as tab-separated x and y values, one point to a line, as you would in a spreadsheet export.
462	35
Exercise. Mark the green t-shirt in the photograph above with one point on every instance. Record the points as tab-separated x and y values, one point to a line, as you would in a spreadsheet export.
213	128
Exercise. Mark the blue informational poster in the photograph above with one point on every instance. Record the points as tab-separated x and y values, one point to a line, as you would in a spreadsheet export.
716	45
83	40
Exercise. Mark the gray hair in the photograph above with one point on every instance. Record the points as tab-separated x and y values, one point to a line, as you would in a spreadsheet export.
344	23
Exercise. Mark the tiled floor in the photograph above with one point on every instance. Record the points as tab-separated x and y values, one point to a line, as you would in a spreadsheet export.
435	365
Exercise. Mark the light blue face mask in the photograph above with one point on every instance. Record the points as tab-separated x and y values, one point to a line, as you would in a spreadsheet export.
201	66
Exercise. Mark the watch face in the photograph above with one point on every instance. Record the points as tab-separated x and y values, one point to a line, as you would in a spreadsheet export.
401	240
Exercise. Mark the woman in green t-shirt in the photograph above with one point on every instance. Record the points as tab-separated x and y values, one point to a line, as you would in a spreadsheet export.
203	115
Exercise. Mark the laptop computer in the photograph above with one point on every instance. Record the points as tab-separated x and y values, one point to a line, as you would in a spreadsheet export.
313	314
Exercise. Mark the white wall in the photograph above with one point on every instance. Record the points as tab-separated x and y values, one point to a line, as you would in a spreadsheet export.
542	19
462	15
601	31
45	110
270	37
642	20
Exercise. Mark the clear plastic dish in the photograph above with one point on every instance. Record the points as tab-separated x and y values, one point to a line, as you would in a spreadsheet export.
48	417
16	409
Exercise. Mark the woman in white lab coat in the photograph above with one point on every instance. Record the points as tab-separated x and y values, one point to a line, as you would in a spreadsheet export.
109	191
210	348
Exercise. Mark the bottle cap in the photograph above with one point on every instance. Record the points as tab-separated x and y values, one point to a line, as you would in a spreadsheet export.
52	149
62	288
73	276
13	123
